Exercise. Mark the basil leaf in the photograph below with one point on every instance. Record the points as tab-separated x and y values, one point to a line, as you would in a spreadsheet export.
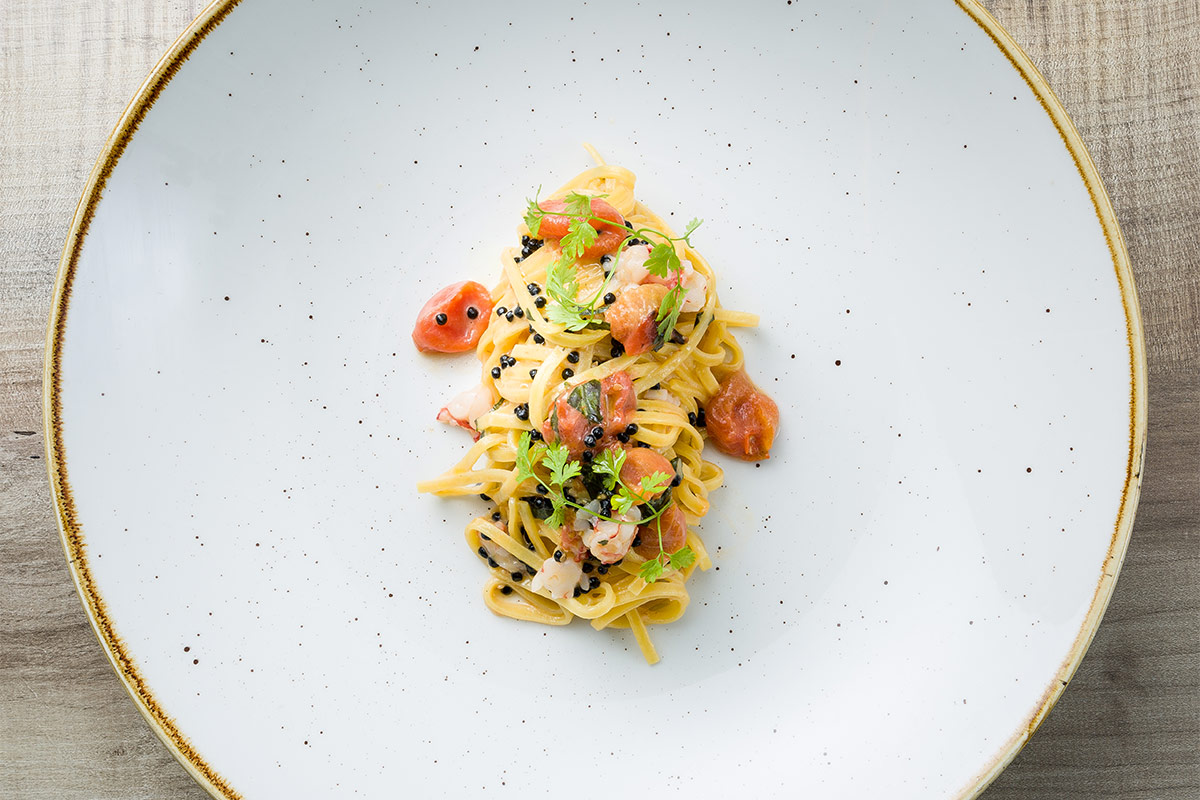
585	398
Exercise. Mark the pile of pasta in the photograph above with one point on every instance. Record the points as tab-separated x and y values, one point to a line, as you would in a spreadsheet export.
672	383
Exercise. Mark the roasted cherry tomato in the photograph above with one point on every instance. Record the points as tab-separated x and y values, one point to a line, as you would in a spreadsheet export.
633	318
741	420
618	402
453	319
609	403
673	525
555	226
642	462
566	424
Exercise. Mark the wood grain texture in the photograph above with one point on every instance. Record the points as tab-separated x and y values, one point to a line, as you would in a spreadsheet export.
1127	727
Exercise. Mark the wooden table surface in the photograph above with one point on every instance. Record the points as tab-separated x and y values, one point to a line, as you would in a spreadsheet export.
1128	726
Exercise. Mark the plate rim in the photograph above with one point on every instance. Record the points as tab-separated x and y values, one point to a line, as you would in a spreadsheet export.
74	545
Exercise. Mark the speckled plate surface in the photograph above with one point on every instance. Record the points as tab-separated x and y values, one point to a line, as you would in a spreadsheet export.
236	417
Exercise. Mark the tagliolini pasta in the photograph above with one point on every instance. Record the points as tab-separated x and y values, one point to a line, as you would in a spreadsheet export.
607	361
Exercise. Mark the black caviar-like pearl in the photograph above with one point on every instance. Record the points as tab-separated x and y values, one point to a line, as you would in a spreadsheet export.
623	437
637	540
510	316
578	592
558	554
573	356
678	479
629	224
594	583
656	387
472	312
700	418
586	455
602	569
533	372
597	432
492	562
501	311
539	339
496	373
541	489
589	441
495	517
522	411
609	299
692	417
618	350
441	319
588	567
518	577
631	429
536	436
533	289
484	536
483	496
482	553
506	589
567	373
643	444
518	311
540	302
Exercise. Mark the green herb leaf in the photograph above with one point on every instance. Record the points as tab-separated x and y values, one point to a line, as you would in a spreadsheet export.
561	283
663	260
534	215
623	501
683	558
609	464
654	483
567	314
668	312
557	460
578	205
651	570
691	227
559	515
580	236
524	462
585	398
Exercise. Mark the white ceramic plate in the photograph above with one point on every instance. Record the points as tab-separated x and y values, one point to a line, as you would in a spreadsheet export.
237	417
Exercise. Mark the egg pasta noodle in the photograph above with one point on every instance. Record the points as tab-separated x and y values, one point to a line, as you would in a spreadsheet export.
537	361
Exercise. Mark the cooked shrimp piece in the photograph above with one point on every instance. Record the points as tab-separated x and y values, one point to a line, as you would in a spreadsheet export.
467	407
557	578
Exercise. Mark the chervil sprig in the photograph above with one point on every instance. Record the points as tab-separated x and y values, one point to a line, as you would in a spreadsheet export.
654	568
555	458
561	284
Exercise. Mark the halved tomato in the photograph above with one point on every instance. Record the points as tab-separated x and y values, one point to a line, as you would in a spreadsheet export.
453	319
556	226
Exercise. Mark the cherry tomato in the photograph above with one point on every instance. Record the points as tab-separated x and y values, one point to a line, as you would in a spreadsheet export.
618	402
453	319
633	318
673	525
741	420
555	226
642	462
567	425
